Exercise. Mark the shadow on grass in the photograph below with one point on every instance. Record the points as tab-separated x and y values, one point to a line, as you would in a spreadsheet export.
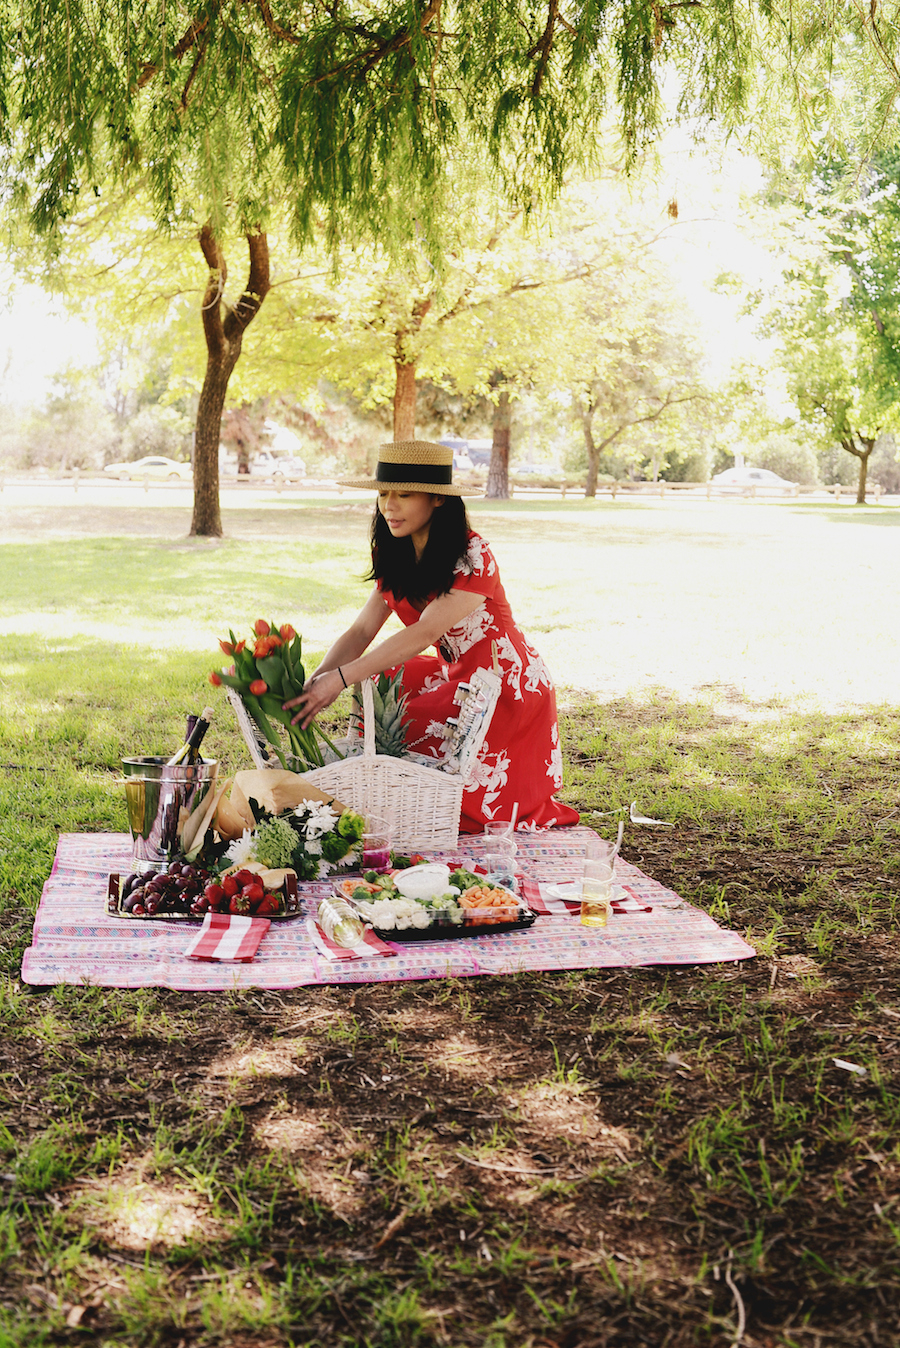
489	1161
779	810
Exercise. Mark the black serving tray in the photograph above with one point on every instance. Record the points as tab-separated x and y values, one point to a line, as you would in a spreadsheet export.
293	905
449	931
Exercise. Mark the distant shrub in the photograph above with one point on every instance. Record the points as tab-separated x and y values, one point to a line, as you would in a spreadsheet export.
155	429
884	465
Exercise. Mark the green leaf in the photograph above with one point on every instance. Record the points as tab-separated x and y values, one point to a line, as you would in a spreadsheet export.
271	705
232	682
272	670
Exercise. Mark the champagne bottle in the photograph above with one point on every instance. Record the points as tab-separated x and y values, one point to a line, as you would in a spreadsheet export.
193	756
190	749
340	922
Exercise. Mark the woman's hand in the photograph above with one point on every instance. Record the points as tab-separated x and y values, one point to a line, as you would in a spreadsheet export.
318	693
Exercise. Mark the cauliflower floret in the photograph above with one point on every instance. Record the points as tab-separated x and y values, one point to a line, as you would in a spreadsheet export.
421	919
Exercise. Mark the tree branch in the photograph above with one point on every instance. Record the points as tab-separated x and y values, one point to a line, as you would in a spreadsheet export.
371	58
516	288
248	306
201	52
651	416
544	47
192	34
462	299
286	34
211	308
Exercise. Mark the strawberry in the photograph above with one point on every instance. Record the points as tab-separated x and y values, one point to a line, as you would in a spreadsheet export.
270	903
230	886
254	892
244	878
214	894
239	905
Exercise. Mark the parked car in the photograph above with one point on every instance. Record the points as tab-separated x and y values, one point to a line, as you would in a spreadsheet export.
272	466
750	477
152	465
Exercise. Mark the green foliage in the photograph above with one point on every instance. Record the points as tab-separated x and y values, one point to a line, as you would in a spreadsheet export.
222	110
837	318
275	843
389	708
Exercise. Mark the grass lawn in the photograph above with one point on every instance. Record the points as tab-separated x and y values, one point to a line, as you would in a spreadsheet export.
337	1167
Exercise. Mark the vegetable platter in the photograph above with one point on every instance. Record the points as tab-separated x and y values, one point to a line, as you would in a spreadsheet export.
432	903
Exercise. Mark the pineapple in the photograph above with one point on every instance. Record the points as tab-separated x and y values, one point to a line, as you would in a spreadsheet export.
389	702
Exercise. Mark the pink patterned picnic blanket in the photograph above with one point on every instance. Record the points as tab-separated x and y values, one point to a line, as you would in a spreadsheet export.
75	940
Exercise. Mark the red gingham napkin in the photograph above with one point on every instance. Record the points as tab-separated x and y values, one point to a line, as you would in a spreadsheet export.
227	936
339	952
531	892
628	902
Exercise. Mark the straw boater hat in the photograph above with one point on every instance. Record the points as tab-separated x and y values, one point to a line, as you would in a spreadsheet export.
412	465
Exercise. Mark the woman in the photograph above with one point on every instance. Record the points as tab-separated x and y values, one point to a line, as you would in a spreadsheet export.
441	579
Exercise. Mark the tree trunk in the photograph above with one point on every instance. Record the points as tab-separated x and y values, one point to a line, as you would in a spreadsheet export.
207	519
852	445
223	329
405	400
498	473
593	457
863	470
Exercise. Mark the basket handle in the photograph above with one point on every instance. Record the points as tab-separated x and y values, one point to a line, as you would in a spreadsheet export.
364	691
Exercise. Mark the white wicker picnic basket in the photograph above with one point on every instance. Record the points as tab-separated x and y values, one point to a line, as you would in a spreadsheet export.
422	804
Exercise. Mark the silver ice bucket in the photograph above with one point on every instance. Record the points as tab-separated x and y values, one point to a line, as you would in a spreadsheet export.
159	800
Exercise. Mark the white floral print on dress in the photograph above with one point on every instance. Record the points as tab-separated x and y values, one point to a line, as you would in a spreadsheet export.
466	634
478	559
536	672
490	775
507	654
555	764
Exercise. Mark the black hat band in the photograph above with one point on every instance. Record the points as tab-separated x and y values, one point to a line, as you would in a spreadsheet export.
440	474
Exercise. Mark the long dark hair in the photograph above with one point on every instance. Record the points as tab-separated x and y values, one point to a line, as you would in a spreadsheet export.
394	559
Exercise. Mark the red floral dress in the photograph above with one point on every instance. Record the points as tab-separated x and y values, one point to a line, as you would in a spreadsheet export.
521	758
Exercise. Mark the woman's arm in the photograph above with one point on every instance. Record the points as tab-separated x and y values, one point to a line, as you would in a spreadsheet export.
326	685
350	644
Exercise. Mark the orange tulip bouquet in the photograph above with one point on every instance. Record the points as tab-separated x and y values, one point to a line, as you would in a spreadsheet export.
265	675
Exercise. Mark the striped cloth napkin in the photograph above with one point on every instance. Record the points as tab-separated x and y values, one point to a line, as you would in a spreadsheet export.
228	936
369	945
625	902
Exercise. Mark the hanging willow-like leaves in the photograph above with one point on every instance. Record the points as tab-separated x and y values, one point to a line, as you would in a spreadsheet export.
351	111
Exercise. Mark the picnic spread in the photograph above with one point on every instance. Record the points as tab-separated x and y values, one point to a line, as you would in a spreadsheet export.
76	939
341	864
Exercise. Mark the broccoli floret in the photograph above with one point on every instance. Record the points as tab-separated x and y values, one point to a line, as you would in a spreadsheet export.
351	825
334	846
464	880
